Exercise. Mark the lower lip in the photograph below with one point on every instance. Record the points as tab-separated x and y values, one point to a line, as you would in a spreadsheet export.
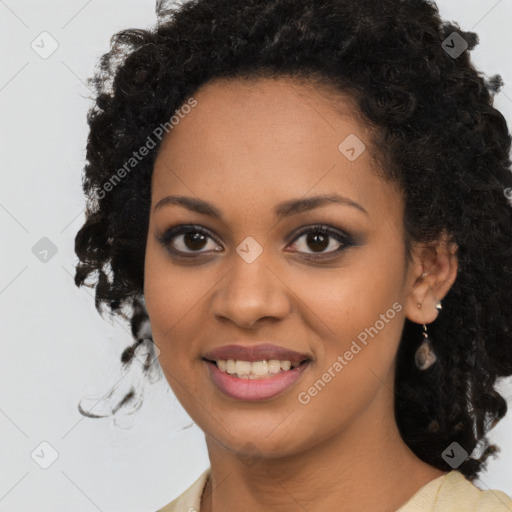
255	389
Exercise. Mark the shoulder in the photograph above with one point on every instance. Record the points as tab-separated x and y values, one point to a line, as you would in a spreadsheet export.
453	492
190	499
457	490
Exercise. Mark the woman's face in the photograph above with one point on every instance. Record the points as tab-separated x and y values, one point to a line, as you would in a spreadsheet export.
253	160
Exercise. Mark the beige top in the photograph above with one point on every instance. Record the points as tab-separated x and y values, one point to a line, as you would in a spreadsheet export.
450	492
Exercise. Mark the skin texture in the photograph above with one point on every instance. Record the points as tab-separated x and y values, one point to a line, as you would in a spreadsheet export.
245	147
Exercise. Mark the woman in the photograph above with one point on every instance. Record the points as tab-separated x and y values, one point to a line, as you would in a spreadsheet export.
308	200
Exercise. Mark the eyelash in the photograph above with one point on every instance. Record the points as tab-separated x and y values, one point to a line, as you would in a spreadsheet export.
343	238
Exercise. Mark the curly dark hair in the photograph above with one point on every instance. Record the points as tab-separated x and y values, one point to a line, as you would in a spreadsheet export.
436	133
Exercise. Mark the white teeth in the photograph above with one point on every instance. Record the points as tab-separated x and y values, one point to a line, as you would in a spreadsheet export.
274	366
285	365
243	367
259	367
253	370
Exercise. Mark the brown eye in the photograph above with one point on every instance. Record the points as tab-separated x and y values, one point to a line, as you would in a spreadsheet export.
317	242
314	242
194	240
321	240
188	240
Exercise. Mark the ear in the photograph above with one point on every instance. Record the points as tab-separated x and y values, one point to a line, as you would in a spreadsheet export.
431	276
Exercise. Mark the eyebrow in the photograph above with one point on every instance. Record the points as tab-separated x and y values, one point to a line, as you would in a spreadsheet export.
284	209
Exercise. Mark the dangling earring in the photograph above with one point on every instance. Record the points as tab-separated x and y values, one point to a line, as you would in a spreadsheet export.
425	356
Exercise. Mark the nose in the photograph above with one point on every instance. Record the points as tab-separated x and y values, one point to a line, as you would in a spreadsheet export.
250	293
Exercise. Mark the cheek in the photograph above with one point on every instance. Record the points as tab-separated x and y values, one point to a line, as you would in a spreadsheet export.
173	303
346	301
173	300
171	290
358	314
359	321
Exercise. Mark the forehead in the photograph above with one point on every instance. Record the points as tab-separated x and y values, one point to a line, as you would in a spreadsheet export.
262	107
275	137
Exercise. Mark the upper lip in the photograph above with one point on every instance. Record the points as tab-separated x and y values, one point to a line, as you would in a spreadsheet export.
260	352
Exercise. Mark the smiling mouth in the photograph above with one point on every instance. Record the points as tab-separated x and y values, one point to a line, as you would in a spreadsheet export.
255	369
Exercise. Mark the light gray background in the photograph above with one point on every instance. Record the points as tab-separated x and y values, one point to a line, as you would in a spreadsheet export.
56	349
